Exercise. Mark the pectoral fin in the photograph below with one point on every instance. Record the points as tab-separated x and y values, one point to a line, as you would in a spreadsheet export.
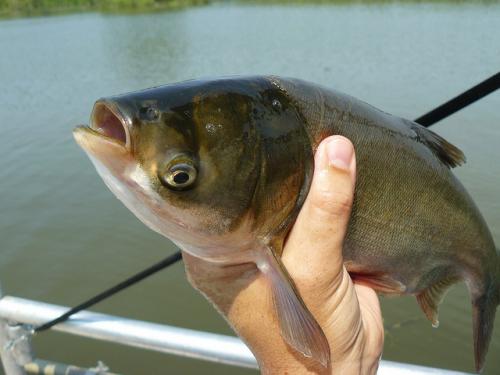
298	327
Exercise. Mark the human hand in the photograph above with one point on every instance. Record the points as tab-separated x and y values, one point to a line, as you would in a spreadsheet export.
349	314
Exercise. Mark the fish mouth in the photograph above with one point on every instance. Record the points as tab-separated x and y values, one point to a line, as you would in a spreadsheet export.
108	126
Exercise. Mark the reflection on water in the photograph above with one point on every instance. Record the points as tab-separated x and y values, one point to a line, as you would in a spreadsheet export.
65	237
146	55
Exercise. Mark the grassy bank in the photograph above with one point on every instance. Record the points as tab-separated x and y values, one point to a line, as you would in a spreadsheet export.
20	8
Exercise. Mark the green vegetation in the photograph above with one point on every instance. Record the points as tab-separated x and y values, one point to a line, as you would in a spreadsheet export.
13	8
20	8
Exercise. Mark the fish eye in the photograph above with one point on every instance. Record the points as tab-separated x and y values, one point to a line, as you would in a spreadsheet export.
180	176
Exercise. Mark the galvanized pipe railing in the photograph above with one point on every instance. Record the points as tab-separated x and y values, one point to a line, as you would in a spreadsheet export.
162	338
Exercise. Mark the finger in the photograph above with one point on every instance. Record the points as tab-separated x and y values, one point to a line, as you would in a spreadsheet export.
316	239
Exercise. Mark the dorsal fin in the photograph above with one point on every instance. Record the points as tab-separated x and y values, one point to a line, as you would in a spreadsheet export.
450	155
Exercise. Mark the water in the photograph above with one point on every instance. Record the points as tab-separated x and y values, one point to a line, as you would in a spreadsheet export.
64	237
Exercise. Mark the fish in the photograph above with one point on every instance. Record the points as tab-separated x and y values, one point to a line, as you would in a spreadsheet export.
222	166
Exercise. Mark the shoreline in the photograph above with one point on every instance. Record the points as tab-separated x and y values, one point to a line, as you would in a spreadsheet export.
30	10
35	8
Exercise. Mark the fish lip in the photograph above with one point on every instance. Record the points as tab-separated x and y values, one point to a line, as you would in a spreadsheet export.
125	121
87	130
86	136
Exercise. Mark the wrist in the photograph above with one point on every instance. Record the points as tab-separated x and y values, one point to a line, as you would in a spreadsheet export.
289	362
286	364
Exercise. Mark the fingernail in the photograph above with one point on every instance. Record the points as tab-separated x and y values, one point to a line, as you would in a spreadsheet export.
340	152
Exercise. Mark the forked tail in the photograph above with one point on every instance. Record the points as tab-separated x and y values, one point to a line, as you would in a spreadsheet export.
483	315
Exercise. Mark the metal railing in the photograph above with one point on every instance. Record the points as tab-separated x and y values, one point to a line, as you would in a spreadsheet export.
17	354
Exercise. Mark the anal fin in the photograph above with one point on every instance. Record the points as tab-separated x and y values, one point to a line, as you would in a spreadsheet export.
297	325
430	298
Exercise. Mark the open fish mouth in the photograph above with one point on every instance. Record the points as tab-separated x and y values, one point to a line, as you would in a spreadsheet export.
107	125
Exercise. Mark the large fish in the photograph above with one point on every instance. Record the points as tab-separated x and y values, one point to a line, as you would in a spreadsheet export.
221	167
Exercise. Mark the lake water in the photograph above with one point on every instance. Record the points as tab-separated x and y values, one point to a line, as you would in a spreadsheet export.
64	237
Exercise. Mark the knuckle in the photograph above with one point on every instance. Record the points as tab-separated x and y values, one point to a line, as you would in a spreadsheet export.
374	345
332	203
192	280
195	278
342	204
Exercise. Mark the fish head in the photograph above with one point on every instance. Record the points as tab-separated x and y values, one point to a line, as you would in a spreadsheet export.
187	158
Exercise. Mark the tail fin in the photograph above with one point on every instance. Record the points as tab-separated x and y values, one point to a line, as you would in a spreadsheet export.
483	316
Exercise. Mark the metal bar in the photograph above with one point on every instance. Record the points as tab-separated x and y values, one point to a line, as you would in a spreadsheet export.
162	338
42	367
166	339
13	346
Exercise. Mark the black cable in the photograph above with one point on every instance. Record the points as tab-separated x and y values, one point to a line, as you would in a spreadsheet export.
115	289
457	103
468	97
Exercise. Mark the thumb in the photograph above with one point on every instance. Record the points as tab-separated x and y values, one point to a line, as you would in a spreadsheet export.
316	239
